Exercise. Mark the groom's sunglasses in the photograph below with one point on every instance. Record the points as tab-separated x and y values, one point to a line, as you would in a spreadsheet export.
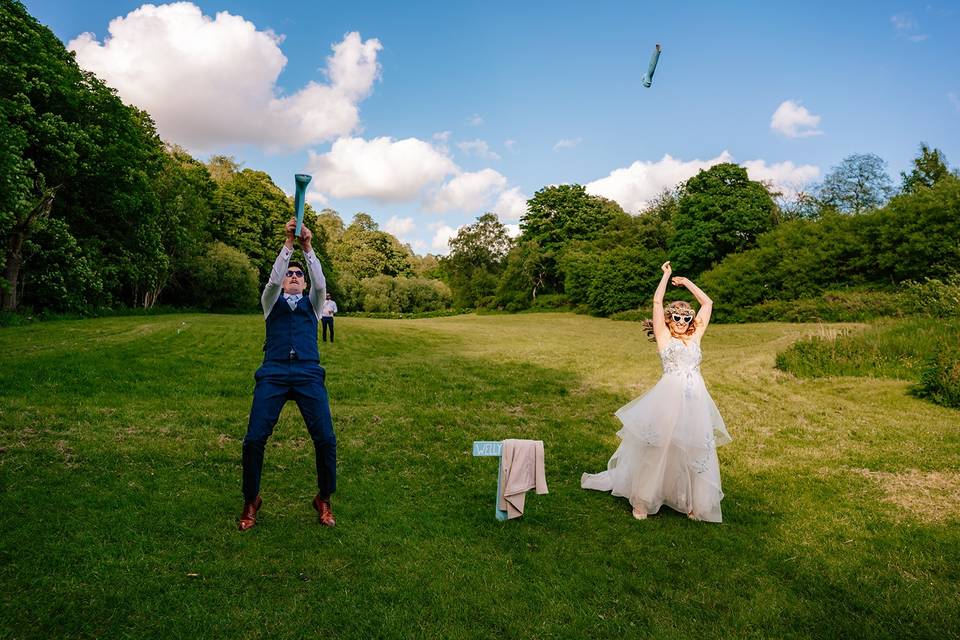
679	318
294	272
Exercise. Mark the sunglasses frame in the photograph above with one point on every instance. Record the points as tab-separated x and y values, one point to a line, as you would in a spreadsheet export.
681	318
292	272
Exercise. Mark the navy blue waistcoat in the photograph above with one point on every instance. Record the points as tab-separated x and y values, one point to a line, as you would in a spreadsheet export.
291	330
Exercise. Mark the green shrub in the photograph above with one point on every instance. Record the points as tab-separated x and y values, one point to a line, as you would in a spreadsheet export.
225	280
624	279
391	294
487	302
940	378
551	301
425	294
57	275
633	315
920	349
351	293
933	296
831	306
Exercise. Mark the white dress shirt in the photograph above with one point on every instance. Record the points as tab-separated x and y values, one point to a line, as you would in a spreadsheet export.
318	283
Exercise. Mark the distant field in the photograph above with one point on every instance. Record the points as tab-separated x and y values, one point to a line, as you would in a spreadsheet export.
120	488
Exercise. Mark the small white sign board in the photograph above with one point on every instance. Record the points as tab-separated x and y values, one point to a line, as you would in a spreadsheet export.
492	449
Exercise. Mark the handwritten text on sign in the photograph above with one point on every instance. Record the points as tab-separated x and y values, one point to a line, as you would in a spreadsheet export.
487	448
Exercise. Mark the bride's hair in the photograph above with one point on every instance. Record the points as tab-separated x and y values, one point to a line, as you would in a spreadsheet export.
677	306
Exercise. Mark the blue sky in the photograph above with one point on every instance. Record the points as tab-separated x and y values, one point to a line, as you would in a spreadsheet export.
430	113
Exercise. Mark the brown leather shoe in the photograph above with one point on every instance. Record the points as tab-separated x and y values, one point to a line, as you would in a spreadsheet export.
326	514
249	516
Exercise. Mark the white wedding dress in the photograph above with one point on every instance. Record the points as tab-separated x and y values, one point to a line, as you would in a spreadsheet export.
668	449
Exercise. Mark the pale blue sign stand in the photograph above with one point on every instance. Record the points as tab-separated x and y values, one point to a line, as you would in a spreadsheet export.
492	449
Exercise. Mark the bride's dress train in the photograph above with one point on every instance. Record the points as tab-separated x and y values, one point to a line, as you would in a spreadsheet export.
668	449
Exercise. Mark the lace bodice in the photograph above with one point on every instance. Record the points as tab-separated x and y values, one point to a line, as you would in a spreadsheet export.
679	358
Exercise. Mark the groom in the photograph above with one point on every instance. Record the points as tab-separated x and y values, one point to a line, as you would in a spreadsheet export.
291	371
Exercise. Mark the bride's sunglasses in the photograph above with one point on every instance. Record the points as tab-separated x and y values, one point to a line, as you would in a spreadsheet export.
679	318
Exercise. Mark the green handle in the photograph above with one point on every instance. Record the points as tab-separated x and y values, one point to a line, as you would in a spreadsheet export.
302	181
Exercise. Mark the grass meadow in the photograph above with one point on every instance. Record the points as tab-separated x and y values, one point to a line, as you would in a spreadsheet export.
120	489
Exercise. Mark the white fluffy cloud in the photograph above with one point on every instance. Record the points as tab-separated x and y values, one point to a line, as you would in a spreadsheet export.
567	143
442	233
210	81
793	120
398	226
382	168
478	148
470	191
634	187
316	198
785	177
511	204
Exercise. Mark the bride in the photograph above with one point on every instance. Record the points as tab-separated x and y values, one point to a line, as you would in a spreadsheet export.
668	449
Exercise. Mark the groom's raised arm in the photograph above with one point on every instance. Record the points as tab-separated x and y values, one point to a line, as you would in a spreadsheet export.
318	282
274	286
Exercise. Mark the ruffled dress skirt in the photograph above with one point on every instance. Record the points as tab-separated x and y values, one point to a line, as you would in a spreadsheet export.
668	450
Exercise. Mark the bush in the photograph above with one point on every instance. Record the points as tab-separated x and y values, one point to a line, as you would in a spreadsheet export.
551	301
57	276
940	378
391	294
625	278
915	349
225	280
424	294
487	302
934	297
350	292
832	306
633	315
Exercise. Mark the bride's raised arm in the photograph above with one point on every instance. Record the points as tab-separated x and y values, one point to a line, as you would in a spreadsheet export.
660	330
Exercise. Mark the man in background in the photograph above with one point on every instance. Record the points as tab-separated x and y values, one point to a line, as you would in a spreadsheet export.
326	316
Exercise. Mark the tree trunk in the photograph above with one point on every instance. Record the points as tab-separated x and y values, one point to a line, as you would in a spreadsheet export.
151	296
8	299
9	296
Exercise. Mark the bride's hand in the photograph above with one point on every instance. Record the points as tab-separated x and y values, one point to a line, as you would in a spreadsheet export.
680	281
666	268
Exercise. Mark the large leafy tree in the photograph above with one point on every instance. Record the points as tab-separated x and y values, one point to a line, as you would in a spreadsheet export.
40	136
185	191
524	276
72	151
859	183
249	213
929	168
918	234
558	215
476	258
364	251
720	211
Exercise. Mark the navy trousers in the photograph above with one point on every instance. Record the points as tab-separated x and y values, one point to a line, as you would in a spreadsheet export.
327	321
302	382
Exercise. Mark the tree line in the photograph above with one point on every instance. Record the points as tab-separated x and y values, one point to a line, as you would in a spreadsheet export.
97	212
854	230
